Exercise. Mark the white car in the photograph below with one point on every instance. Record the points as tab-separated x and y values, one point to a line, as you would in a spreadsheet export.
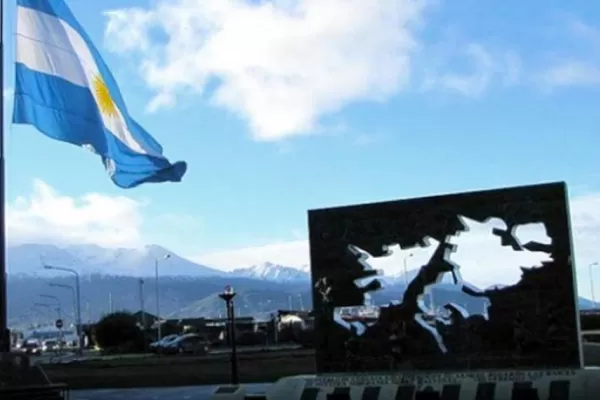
50	345
162	343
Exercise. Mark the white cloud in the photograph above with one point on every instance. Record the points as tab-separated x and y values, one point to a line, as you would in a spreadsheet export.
281	64
484	261
46	216
570	70
49	217
571	73
484	67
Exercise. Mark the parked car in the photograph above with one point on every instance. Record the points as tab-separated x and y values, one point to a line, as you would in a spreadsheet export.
160	344
190	343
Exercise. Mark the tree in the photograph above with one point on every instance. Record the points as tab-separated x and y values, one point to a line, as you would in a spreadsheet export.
119	331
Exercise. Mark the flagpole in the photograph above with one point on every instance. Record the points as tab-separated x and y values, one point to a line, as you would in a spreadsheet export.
4	332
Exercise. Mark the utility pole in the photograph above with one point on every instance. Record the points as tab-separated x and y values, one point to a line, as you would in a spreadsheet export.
110	303
142	304
78	295
73	292
158	324
4	331
591	267
406	269
158	321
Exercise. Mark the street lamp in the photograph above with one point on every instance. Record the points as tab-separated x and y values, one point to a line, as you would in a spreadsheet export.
141	283
78	297
57	309
591	268
165	257
227	295
72	289
49	296
39	315
406	269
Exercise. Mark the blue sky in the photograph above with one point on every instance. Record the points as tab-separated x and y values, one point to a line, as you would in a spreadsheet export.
276	115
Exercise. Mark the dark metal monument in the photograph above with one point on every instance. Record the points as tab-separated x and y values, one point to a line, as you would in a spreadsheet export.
531	324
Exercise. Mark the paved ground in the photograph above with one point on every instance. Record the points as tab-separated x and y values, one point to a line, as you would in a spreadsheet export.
66	354
176	393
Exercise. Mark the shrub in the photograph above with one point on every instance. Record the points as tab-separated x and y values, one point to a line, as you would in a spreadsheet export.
119	332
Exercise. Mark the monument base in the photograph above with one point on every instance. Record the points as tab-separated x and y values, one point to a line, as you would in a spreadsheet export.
555	384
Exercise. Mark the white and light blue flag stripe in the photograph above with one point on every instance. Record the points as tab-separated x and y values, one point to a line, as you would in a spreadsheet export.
65	90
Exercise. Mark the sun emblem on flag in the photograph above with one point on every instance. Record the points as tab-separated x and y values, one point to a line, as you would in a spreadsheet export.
105	102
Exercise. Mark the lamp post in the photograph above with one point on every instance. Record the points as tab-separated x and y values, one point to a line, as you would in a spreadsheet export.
591	268
165	257
141	283
72	289
39	315
227	295
57	309
78	297
406	269
58	305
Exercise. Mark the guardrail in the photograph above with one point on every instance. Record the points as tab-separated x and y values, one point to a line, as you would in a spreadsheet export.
38	392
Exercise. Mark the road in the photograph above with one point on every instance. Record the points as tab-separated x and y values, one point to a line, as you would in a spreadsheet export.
90	354
175	393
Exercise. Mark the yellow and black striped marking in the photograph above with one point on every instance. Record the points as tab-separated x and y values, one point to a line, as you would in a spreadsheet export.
557	390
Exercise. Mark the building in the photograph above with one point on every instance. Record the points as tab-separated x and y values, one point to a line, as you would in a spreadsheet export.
145	319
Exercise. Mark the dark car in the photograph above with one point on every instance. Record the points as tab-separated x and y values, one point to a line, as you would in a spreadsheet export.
31	346
188	344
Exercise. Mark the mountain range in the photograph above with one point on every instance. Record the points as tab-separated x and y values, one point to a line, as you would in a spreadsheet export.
110	280
29	260
274	272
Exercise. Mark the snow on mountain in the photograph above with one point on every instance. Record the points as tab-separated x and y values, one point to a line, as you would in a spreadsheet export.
274	272
401	279
28	259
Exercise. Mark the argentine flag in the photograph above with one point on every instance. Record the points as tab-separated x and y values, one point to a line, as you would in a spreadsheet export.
65	90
